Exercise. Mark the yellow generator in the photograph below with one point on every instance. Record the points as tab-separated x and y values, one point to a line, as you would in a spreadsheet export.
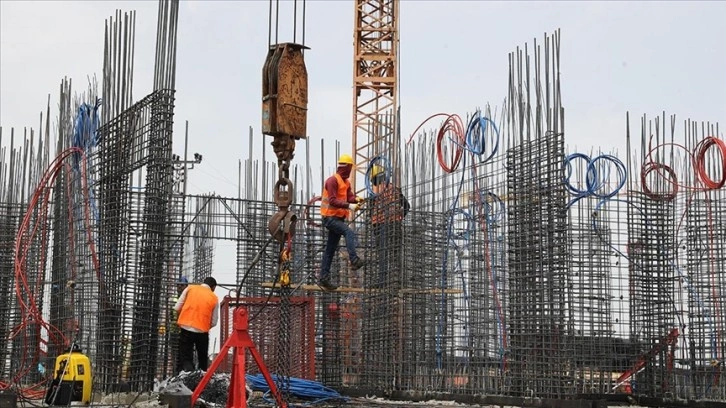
71	379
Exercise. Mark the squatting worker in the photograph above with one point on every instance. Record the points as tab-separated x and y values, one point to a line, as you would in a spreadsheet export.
198	309
337	202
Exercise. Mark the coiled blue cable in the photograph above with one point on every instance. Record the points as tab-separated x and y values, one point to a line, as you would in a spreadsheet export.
300	388
477	132
492	206
86	137
597	176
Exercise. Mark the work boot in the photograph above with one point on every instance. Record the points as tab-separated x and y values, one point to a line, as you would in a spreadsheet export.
326	284
358	263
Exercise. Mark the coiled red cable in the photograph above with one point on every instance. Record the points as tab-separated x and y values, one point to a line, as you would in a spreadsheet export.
451	131
699	156
32	240
306	213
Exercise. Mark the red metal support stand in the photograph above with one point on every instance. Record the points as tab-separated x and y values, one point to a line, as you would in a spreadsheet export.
241	342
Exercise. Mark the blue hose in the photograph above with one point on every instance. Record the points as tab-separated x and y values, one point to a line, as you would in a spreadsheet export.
476	136
596	177
300	388
86	137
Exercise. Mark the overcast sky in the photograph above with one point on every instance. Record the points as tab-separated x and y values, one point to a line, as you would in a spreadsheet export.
644	57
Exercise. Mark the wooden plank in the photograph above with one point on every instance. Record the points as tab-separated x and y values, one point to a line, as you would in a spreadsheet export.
315	288
344	289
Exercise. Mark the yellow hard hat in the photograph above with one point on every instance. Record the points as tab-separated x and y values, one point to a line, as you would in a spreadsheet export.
376	170
345	159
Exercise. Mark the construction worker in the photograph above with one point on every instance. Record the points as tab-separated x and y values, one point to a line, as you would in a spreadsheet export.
337	202
181	284
198	309
388	207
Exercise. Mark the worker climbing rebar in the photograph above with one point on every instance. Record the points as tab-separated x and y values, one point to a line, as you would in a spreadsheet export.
337	203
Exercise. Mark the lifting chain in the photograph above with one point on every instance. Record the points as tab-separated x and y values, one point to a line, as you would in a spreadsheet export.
282	224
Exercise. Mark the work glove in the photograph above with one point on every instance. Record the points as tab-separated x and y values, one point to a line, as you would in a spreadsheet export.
359	199
353	207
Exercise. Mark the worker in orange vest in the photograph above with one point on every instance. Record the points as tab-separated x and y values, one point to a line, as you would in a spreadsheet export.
388	207
198	309
337	202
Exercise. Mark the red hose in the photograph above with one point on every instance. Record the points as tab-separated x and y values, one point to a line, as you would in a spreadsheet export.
306	213
454	125
36	221
700	162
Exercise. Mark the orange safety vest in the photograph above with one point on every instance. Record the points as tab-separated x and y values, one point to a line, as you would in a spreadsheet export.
326	210
198	306
387	206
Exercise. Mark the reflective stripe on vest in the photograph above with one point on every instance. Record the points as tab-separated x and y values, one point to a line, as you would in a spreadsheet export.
387	206
327	210
198	307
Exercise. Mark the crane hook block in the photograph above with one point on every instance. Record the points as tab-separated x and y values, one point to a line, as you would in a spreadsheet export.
285	91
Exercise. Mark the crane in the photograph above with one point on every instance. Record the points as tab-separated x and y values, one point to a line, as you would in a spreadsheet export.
284	117
375	83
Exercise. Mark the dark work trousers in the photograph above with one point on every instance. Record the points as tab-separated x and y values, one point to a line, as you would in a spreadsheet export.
190	341
337	227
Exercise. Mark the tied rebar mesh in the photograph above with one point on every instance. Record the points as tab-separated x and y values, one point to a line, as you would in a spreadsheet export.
496	283
539	283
